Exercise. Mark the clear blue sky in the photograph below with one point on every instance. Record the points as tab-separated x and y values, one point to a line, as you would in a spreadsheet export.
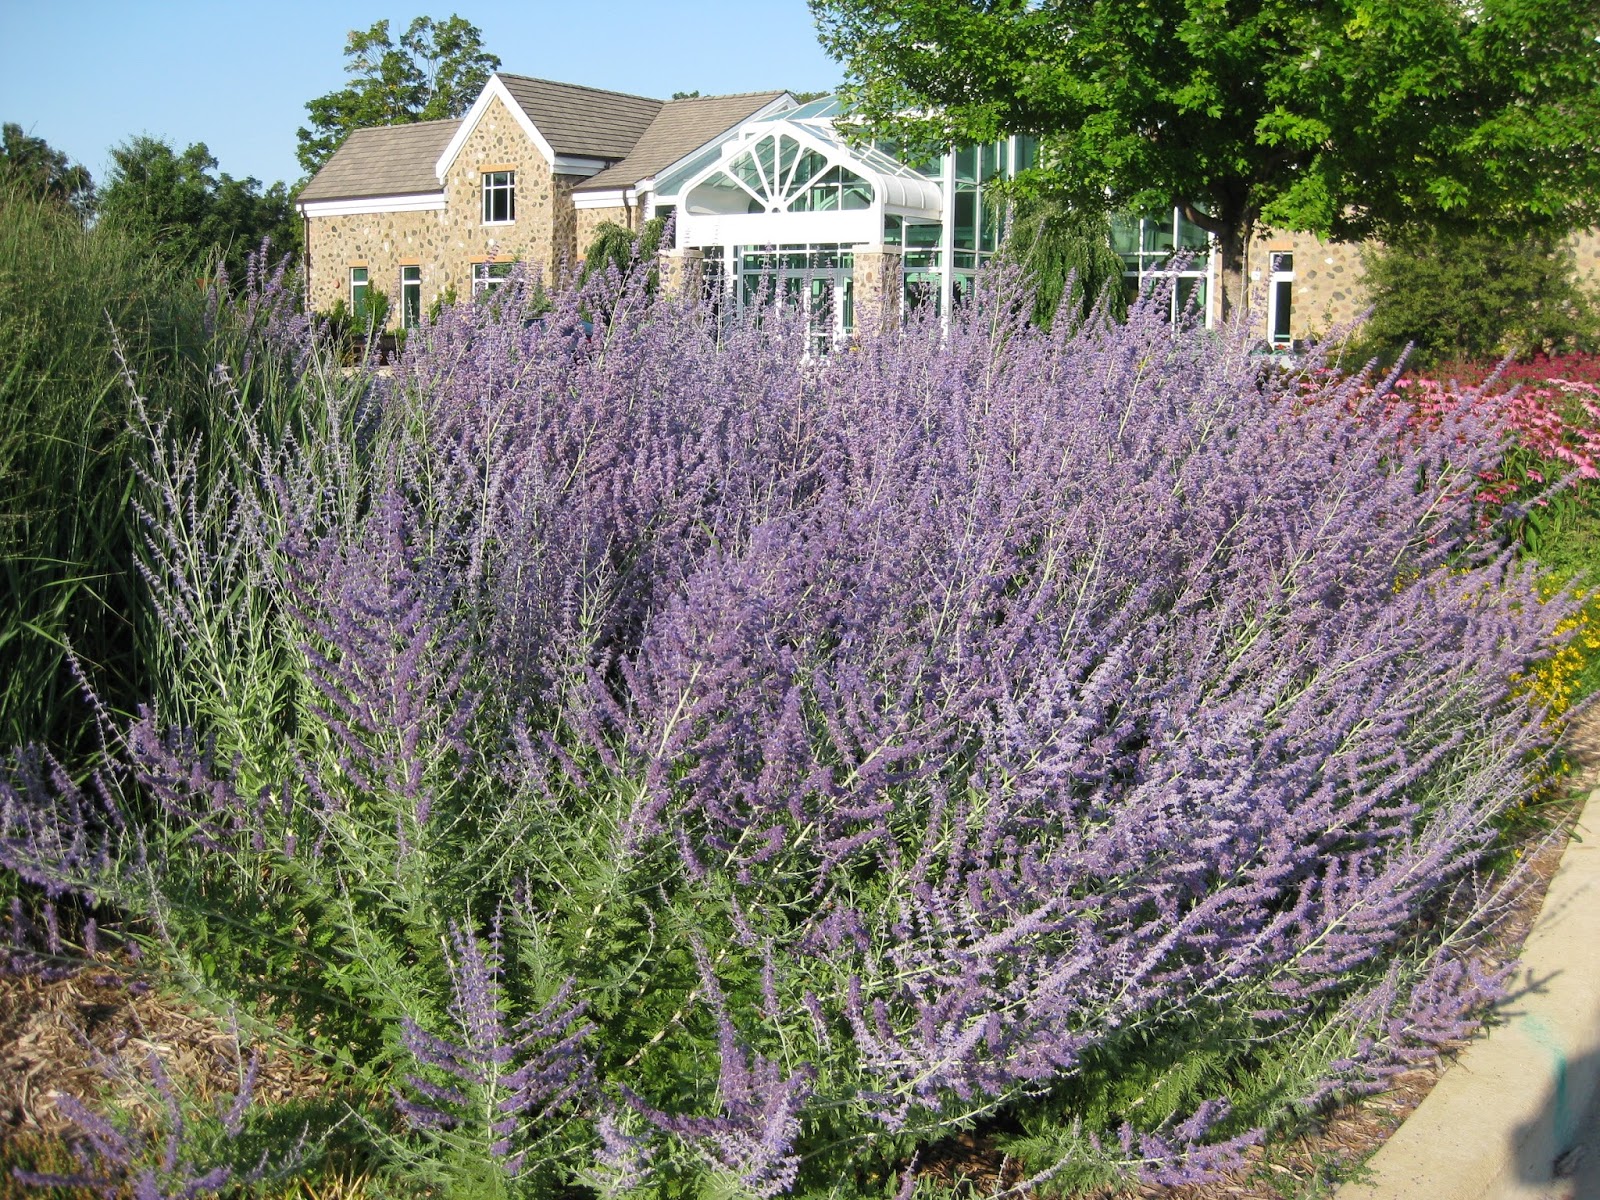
236	76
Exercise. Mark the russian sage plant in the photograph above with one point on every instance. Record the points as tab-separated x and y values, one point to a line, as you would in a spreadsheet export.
647	755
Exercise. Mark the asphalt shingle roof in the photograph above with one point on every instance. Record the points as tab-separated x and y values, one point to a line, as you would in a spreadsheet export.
583	121
388	160
639	135
681	127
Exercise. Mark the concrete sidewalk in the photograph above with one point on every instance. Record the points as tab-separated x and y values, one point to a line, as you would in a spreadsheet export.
1517	1117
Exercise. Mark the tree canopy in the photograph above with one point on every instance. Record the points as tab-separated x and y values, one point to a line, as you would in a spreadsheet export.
1345	118
191	211
30	164
436	71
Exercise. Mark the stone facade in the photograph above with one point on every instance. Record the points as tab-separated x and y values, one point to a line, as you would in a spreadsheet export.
446	242
1329	278
382	243
1328	289
681	271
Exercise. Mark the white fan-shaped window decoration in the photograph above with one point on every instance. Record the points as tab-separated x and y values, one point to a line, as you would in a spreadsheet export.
777	174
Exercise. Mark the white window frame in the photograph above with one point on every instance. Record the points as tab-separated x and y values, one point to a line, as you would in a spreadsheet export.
364	283
492	188
1281	263
413	281
485	278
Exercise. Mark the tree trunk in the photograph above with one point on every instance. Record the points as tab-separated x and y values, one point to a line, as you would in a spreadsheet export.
1231	249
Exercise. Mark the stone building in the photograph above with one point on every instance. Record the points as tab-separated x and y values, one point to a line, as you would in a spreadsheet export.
442	209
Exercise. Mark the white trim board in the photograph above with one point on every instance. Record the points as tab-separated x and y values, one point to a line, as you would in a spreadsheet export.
577	164
609	198
424	202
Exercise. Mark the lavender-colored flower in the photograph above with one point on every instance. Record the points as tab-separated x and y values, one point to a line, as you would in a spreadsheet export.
526	1074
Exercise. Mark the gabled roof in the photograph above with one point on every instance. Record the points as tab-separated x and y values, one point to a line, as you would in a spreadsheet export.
580	121
387	160
679	128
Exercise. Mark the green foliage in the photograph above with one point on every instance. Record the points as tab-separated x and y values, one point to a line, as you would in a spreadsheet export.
618	246
66	535
1345	119
1471	297
30	167
436	71
1054	242
193	214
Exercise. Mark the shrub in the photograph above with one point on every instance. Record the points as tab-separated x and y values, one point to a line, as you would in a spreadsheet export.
79	308
1457	297
665	758
1066	256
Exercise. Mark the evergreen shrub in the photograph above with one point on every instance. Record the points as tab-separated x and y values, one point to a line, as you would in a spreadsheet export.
668	762
1453	297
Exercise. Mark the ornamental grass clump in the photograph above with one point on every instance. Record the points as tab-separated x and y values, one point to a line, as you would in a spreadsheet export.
650	758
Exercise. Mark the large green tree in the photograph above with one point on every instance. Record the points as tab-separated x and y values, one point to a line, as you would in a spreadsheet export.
190	211
1347	118
30	165
437	70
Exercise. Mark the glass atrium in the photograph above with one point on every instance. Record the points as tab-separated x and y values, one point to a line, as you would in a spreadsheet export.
786	203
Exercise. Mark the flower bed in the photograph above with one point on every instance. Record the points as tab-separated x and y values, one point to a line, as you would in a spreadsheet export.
658	758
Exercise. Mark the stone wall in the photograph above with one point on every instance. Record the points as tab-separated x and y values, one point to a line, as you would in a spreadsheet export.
878	288
498	143
446	244
1328	287
383	243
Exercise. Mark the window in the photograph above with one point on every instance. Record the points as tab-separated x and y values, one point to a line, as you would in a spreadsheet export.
499	197
1280	299
410	297
488	277
1165	250
358	292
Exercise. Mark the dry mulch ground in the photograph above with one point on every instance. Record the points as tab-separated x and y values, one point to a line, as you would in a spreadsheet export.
54	1034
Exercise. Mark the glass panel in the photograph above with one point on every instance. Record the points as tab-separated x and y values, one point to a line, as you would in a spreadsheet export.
1125	235
1191	236
967	164
810	165
988	227
922	288
892	227
743	168
1157	231
766	152
788	153
992	160
1027	151
966	231
1191	291
410	296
